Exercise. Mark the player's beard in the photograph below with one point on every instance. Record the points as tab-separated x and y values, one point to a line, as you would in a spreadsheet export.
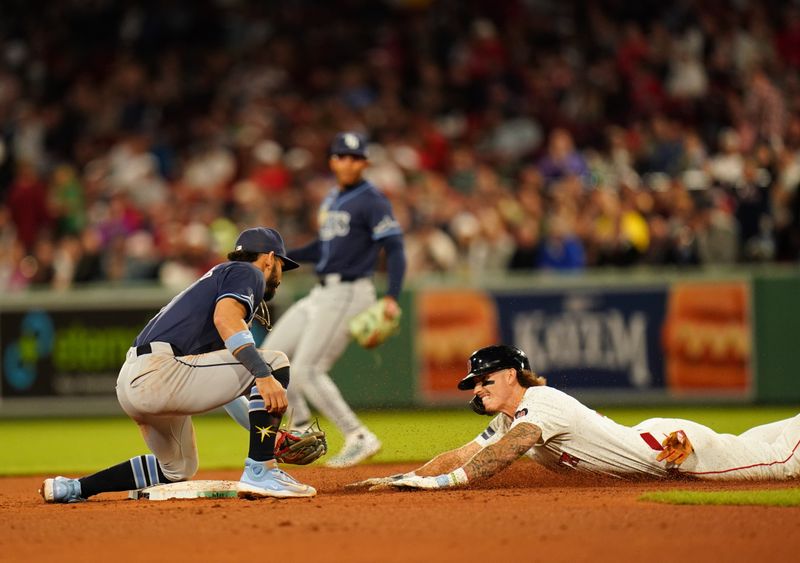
272	285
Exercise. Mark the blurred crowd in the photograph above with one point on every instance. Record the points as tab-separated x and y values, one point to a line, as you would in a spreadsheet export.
137	138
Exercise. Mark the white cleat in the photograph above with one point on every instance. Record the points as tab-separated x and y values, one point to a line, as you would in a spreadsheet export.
273	482
358	447
61	490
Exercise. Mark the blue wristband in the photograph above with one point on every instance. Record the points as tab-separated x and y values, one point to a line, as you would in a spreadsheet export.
249	357
454	479
443	481
241	338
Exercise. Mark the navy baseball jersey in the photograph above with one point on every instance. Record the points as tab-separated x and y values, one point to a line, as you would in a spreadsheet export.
187	321
355	223
350	222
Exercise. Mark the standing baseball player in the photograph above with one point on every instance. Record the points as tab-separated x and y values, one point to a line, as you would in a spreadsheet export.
195	355
562	434
355	223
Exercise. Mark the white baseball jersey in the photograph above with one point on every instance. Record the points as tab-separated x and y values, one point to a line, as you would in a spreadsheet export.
574	437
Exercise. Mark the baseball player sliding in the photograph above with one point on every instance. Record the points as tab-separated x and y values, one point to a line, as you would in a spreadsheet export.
195	355
355	223
562	434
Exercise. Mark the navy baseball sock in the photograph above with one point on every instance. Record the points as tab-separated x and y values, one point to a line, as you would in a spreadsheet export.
264	425
263	429
136	473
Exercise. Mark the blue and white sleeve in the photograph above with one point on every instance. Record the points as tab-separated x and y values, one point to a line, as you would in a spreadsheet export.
496	430
245	284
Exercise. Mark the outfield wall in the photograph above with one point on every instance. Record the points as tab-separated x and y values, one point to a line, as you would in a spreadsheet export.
636	339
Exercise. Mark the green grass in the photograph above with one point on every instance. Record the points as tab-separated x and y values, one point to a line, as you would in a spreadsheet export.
777	497
76	446
85	445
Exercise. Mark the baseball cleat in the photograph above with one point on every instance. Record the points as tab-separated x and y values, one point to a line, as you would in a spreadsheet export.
61	490
274	482
357	448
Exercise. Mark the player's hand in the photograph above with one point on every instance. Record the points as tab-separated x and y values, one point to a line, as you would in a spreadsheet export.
368	483
444	481
273	393
417	482
391	307
375	324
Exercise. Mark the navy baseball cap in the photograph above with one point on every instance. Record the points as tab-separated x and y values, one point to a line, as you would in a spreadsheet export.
265	240
349	143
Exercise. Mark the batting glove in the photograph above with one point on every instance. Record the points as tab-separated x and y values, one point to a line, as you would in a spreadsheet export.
444	481
677	448
378	481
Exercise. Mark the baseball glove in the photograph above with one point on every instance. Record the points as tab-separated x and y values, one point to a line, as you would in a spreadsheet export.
301	448
376	323
677	448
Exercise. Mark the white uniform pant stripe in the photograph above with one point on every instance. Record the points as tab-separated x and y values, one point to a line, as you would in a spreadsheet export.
152	469
138	472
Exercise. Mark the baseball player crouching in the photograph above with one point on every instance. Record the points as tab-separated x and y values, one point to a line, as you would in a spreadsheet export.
195	355
356	222
560	433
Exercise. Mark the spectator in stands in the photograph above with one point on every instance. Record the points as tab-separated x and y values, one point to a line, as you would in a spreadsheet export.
526	246
153	133
27	202
562	159
765	109
560	249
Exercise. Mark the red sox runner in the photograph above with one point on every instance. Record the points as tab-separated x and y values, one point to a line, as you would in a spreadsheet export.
560	433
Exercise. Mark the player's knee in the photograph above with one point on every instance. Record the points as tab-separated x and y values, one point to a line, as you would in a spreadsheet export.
181	470
302	373
191	467
282	375
308	381
276	359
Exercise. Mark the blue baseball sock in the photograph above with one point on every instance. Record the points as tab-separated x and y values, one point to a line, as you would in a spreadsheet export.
136	473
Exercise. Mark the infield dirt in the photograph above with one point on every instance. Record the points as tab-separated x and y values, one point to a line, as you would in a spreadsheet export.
523	514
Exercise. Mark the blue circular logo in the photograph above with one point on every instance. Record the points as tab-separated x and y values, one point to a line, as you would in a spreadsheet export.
35	342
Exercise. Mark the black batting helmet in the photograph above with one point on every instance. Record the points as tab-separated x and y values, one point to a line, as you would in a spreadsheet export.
491	359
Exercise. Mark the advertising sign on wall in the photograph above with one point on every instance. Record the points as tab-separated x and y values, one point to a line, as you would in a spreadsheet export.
66	353
707	338
678	340
451	325
589	338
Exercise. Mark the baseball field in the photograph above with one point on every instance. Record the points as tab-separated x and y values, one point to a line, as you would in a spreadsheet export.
525	513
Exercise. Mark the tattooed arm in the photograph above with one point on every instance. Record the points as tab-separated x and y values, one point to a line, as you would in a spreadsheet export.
485	463
448	461
481	465
492	459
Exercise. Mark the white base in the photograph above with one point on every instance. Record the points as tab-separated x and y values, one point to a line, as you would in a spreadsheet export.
200	489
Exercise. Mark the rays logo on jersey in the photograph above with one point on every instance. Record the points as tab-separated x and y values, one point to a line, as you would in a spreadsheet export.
333	224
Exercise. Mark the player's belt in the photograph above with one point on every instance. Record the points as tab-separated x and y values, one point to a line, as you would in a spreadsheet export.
148	348
333	279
